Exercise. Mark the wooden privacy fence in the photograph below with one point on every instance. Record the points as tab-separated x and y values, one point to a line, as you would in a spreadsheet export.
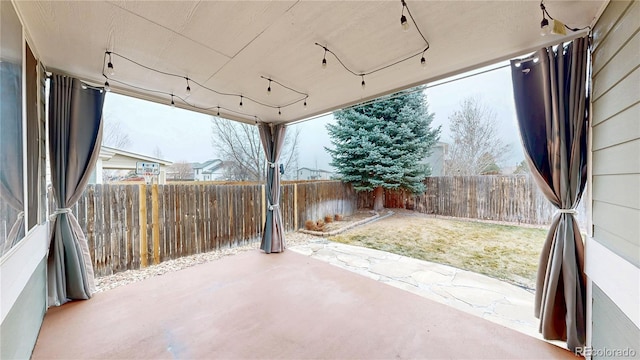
133	226
511	198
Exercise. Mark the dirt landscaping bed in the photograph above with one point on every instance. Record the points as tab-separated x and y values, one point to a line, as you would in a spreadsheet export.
506	252
337	222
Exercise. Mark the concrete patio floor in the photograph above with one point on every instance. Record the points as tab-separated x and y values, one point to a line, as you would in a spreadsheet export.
284	306
474	293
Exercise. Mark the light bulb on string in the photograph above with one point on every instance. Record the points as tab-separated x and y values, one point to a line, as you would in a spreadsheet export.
218	111
188	92
324	59
173	104
403	19
404	23
305	104
423	61
269	88
110	68
107	88
363	83
279	112
240	100
544	26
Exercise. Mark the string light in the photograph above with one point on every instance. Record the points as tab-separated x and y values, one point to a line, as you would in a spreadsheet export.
173	104
555	26
324	58
404	23
403	19
218	110
270	80
107	88
305	104
279	112
110	68
105	67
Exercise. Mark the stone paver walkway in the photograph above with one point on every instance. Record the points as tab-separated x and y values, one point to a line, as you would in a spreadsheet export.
480	295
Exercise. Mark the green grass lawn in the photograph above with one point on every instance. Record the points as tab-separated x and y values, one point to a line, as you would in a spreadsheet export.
505	252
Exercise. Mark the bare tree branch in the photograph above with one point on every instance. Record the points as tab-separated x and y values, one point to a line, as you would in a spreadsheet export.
477	147
180	170
239	146
115	135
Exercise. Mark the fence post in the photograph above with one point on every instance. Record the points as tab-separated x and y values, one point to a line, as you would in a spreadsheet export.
295	207
143	226
155	229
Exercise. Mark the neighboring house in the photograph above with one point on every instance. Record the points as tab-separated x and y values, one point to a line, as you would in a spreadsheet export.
508	170
437	158
116	159
313	174
209	170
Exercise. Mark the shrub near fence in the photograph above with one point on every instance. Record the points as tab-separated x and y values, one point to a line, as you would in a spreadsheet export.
510	198
133	226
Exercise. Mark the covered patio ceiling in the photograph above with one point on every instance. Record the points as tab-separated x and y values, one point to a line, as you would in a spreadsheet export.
229	46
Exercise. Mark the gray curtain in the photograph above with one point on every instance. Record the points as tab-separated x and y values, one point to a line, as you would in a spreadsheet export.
11	166
272	137
551	104
75	134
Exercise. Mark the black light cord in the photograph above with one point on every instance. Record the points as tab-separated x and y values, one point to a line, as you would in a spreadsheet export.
285	86
174	96
365	73
404	5
190	80
359	74
545	12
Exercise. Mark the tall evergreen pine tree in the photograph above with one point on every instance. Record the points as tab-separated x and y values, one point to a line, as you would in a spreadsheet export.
379	146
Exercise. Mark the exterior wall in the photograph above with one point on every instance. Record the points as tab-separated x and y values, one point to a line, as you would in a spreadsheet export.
313	174
123	162
23	288
22	324
437	159
615	178
626	340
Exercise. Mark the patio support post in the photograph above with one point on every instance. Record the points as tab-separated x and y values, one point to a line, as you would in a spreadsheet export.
75	135
551	100
272	137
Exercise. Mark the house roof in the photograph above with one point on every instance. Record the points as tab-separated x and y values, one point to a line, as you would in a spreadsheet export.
206	164
107	153
228	46
316	170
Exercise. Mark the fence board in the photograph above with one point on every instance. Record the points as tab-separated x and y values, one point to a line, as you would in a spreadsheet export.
513	198
130	226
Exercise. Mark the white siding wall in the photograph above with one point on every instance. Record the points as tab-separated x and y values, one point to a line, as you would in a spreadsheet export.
616	173
616	130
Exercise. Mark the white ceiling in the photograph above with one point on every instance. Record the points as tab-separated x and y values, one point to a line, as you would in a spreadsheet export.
229	45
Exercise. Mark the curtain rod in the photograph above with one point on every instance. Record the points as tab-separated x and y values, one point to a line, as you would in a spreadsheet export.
532	57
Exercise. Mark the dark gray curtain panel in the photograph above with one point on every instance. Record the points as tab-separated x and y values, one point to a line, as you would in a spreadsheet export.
11	166
272	137
552	107
75	135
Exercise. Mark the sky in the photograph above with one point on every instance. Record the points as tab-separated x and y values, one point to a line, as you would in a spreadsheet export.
183	135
